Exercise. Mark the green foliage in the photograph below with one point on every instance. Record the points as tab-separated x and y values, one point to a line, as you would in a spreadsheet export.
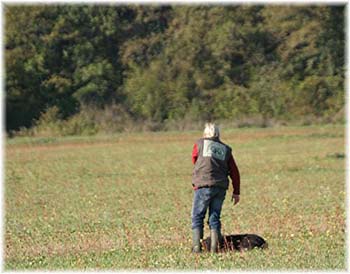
147	92
88	121
49	123
169	63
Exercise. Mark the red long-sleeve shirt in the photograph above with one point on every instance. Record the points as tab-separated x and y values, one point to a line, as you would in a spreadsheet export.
233	170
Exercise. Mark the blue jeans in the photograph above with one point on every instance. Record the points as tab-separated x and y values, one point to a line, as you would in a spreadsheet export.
203	199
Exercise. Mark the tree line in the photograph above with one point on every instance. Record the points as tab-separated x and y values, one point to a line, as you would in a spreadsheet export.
164	63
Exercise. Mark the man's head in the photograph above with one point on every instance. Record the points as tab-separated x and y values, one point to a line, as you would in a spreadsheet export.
211	131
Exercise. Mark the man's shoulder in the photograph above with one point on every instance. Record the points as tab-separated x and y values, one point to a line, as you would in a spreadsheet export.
199	140
226	145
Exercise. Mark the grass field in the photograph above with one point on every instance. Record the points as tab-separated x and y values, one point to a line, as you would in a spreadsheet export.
124	201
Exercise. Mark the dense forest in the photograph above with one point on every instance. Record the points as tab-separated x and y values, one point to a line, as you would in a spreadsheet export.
98	67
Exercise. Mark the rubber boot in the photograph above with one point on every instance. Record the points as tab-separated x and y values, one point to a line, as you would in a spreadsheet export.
214	236
221	238
197	234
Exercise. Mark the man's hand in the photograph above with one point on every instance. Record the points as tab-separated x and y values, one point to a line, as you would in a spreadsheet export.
236	198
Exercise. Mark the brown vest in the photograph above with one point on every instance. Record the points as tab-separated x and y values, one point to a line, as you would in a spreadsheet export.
211	168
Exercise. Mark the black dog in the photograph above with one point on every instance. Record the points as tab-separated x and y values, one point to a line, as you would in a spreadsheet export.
240	242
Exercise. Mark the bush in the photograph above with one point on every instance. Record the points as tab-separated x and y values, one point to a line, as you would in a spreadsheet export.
114	118
48	124
88	121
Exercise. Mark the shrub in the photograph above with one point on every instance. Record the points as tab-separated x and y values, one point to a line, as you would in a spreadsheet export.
48	124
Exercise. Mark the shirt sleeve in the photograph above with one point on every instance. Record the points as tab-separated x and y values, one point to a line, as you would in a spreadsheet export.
234	175
194	154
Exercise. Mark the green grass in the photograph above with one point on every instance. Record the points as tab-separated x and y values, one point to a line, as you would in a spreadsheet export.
124	201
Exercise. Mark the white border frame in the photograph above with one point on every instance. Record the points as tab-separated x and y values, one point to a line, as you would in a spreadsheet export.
191	2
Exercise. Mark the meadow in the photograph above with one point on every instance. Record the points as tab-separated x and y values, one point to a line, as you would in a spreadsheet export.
123	202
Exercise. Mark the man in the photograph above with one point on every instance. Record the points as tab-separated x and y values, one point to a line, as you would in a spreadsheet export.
213	162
